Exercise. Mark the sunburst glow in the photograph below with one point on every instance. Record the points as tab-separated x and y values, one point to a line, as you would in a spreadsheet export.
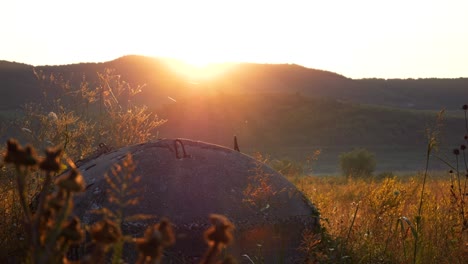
198	71
358	39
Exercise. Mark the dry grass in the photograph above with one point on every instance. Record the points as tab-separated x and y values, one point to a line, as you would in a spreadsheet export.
420	219
370	221
49	228
35	204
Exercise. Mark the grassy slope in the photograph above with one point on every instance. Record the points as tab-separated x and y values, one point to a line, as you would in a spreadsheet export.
294	126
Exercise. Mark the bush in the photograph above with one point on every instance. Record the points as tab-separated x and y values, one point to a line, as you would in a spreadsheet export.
357	163
49	229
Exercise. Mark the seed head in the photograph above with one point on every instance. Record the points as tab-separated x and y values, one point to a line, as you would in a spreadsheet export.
73	231
52	116
165	227
56	201
52	160
72	181
465	107
463	147
156	238
152	248
105	232
18	155
220	232
456	152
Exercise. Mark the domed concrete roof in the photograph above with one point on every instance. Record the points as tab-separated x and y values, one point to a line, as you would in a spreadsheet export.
207	179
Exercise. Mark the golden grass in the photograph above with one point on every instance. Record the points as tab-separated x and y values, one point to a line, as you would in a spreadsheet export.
371	221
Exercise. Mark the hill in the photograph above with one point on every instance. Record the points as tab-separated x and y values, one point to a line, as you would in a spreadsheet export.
162	80
287	111
17	85
294	126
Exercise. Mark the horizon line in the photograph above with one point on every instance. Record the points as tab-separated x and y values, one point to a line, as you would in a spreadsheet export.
226	62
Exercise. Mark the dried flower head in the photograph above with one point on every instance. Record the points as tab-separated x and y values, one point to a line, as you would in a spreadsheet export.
220	232
105	232
52	160
73	232
18	155
46	221
72	181
456	152
463	147
156	238
465	107
165	227
56	201
52	116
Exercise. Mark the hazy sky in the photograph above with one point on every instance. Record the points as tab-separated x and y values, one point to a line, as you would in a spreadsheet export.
356	38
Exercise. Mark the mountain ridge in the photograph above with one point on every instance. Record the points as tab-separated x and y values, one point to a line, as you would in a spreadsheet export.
17	83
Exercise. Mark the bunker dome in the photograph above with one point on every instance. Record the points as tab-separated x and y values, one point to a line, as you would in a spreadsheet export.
186	181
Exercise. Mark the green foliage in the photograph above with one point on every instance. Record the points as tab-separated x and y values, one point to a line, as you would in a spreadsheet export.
357	163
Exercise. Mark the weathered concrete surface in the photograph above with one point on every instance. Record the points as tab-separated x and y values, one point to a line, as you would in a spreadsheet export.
211	180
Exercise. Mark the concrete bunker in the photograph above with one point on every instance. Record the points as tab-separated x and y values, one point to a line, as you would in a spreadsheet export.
186	181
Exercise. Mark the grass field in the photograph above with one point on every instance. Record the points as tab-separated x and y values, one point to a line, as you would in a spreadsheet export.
375	221
412	216
395	159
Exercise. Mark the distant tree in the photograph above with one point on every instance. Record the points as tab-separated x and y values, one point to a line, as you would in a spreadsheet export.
357	163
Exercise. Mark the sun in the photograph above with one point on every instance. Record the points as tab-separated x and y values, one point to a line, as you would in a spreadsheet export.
198	69
199	61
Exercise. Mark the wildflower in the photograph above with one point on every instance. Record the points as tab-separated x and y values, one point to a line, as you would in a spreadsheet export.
72	181
18	155
52	160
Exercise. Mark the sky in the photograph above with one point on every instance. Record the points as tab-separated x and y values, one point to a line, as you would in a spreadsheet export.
355	38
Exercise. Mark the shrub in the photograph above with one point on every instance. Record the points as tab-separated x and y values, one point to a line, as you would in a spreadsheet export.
357	163
288	167
50	229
